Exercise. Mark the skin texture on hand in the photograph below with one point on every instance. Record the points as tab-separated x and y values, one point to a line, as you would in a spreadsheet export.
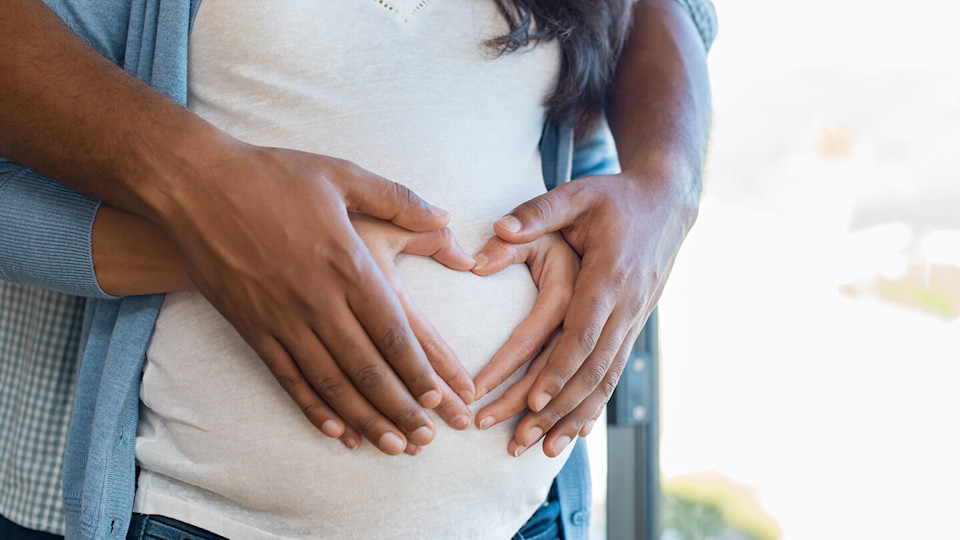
626	227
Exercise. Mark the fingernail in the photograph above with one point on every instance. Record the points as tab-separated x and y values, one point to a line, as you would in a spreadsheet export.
518	451
412	450
487	422
440	212
534	434
589	427
482	261
430	399
480	393
461	422
350	443
509	223
560	444
332	429
467	396
421	435
391	443
540	401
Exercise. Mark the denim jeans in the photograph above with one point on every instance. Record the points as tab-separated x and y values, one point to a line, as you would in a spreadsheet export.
543	525
11	531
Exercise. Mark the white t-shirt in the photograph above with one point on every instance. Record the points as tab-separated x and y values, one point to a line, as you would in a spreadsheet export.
408	91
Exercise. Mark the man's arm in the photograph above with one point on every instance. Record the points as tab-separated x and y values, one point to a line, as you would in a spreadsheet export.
307	296
627	227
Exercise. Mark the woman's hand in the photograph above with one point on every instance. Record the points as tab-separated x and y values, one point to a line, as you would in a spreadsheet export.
554	267
385	241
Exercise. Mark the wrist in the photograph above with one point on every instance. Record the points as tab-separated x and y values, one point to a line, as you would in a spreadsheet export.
668	182
174	169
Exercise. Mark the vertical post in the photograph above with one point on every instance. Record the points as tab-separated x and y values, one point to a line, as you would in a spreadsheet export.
633	444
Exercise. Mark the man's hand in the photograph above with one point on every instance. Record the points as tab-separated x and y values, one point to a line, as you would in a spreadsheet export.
627	227
628	238
385	241
133	256
266	237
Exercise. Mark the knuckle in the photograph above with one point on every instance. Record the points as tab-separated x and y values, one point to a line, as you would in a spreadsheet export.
433	348
614	374
635	304
541	208
406	417
525	348
367	425
403	195
288	383
553	416
349	265
393	340
617	277
315	406
446	236
528	347
593	377
606	389
370	377
609	384
557	381
572	424
330	388
607	352
587	337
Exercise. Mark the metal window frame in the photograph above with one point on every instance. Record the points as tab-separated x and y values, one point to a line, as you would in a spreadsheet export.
633	443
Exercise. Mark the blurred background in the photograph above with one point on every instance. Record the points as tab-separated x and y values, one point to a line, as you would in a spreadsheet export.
810	332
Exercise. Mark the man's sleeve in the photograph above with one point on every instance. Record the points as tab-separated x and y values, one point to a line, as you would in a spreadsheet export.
44	227
704	17
45	233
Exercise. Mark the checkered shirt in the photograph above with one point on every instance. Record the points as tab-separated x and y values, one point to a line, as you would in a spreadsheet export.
39	339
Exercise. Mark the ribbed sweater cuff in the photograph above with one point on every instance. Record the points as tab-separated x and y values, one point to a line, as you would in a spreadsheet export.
45	235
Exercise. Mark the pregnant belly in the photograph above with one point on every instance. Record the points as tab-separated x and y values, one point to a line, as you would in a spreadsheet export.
223	447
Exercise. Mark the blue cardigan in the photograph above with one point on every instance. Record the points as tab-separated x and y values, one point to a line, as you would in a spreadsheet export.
46	232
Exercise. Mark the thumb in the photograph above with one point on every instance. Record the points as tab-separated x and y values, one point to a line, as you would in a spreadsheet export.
498	254
374	195
546	213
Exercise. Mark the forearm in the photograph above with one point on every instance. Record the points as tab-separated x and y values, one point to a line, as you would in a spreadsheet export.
71	115
660	106
132	256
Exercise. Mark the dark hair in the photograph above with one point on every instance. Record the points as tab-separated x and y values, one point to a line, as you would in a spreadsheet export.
590	33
